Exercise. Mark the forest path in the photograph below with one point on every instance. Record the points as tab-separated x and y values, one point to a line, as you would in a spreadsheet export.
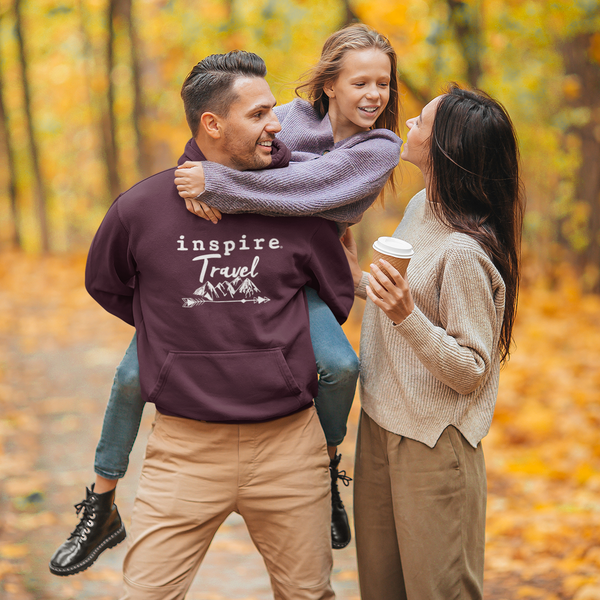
58	353
67	391
58	365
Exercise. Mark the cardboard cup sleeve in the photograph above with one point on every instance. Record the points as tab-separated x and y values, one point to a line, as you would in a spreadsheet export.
395	247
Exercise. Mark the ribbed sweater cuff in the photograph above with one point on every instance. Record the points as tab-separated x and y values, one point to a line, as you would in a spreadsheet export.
412	327
361	289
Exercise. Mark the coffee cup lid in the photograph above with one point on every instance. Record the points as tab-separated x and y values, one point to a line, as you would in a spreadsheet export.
393	247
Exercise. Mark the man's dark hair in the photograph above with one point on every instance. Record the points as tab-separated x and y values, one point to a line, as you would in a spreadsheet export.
209	86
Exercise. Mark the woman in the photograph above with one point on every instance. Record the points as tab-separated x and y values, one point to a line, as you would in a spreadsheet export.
353	118
431	349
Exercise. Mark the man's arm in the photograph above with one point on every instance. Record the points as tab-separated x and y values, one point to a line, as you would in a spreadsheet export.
339	186
110	267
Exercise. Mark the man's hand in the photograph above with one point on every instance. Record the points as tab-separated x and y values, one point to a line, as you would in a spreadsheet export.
349	245
189	179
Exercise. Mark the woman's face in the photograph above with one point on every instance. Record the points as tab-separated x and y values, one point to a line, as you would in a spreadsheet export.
416	147
361	92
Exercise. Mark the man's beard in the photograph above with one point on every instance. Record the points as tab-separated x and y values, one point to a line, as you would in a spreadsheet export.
249	161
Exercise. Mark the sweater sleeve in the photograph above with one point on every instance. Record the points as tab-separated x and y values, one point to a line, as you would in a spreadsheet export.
459	353
329	272
111	268
361	289
282	111
338	186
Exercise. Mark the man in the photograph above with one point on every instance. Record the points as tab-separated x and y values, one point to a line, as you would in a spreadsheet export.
225	354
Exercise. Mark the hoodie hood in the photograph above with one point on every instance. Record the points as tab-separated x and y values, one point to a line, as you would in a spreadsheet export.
191	152
280	155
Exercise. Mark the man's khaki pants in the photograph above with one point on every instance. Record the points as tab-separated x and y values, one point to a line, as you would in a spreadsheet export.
274	474
419	515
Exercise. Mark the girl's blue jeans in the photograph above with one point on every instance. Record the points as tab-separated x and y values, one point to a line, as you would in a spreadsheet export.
337	365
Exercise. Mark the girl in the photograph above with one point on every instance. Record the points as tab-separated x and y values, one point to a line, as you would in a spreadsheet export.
352	119
431	349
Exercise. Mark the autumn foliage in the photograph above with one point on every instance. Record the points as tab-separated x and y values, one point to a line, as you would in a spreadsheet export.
543	451
89	104
90	101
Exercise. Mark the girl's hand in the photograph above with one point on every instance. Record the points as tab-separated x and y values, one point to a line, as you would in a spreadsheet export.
189	179
395	298
202	210
349	246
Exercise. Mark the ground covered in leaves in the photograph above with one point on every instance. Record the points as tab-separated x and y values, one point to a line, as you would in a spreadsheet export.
58	351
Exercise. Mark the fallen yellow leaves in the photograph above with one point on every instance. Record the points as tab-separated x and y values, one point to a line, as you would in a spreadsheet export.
13	551
6	568
542	453
103	575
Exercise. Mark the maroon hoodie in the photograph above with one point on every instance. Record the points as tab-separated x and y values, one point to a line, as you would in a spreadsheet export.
220	312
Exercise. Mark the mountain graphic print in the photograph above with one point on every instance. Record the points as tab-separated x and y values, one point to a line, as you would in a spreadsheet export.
239	290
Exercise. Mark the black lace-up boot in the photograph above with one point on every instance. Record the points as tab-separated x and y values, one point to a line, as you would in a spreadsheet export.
340	528
100	528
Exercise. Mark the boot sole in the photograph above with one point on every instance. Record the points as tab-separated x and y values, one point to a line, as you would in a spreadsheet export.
110	542
339	546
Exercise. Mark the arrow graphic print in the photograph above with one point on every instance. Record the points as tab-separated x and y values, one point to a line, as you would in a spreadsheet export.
240	291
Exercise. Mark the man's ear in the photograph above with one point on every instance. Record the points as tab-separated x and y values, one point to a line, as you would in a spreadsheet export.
328	89
211	123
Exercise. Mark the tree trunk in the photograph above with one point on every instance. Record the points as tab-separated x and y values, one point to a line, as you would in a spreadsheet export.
41	199
109	126
91	65
349	14
586	70
420	95
11	164
465	22
144	156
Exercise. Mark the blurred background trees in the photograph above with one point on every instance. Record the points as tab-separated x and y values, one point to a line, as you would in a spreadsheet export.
89	100
89	104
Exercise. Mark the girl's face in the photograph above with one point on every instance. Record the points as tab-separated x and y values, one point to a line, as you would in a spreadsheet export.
360	93
416	147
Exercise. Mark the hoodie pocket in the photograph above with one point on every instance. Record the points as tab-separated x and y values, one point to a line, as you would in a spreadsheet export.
222	379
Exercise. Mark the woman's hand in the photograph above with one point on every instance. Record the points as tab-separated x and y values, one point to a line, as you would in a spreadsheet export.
395	298
349	246
189	179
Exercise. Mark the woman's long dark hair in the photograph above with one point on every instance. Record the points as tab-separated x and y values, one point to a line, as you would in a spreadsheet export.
475	185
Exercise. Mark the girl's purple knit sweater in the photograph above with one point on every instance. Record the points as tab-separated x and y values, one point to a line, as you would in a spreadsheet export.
353	172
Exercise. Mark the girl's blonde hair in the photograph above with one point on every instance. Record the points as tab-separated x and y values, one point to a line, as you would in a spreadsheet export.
353	37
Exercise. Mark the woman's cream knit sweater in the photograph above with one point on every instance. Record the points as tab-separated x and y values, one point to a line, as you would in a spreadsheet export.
440	366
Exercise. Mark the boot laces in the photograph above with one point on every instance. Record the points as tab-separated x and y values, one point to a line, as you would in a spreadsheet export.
336	499
87	519
345	479
341	475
